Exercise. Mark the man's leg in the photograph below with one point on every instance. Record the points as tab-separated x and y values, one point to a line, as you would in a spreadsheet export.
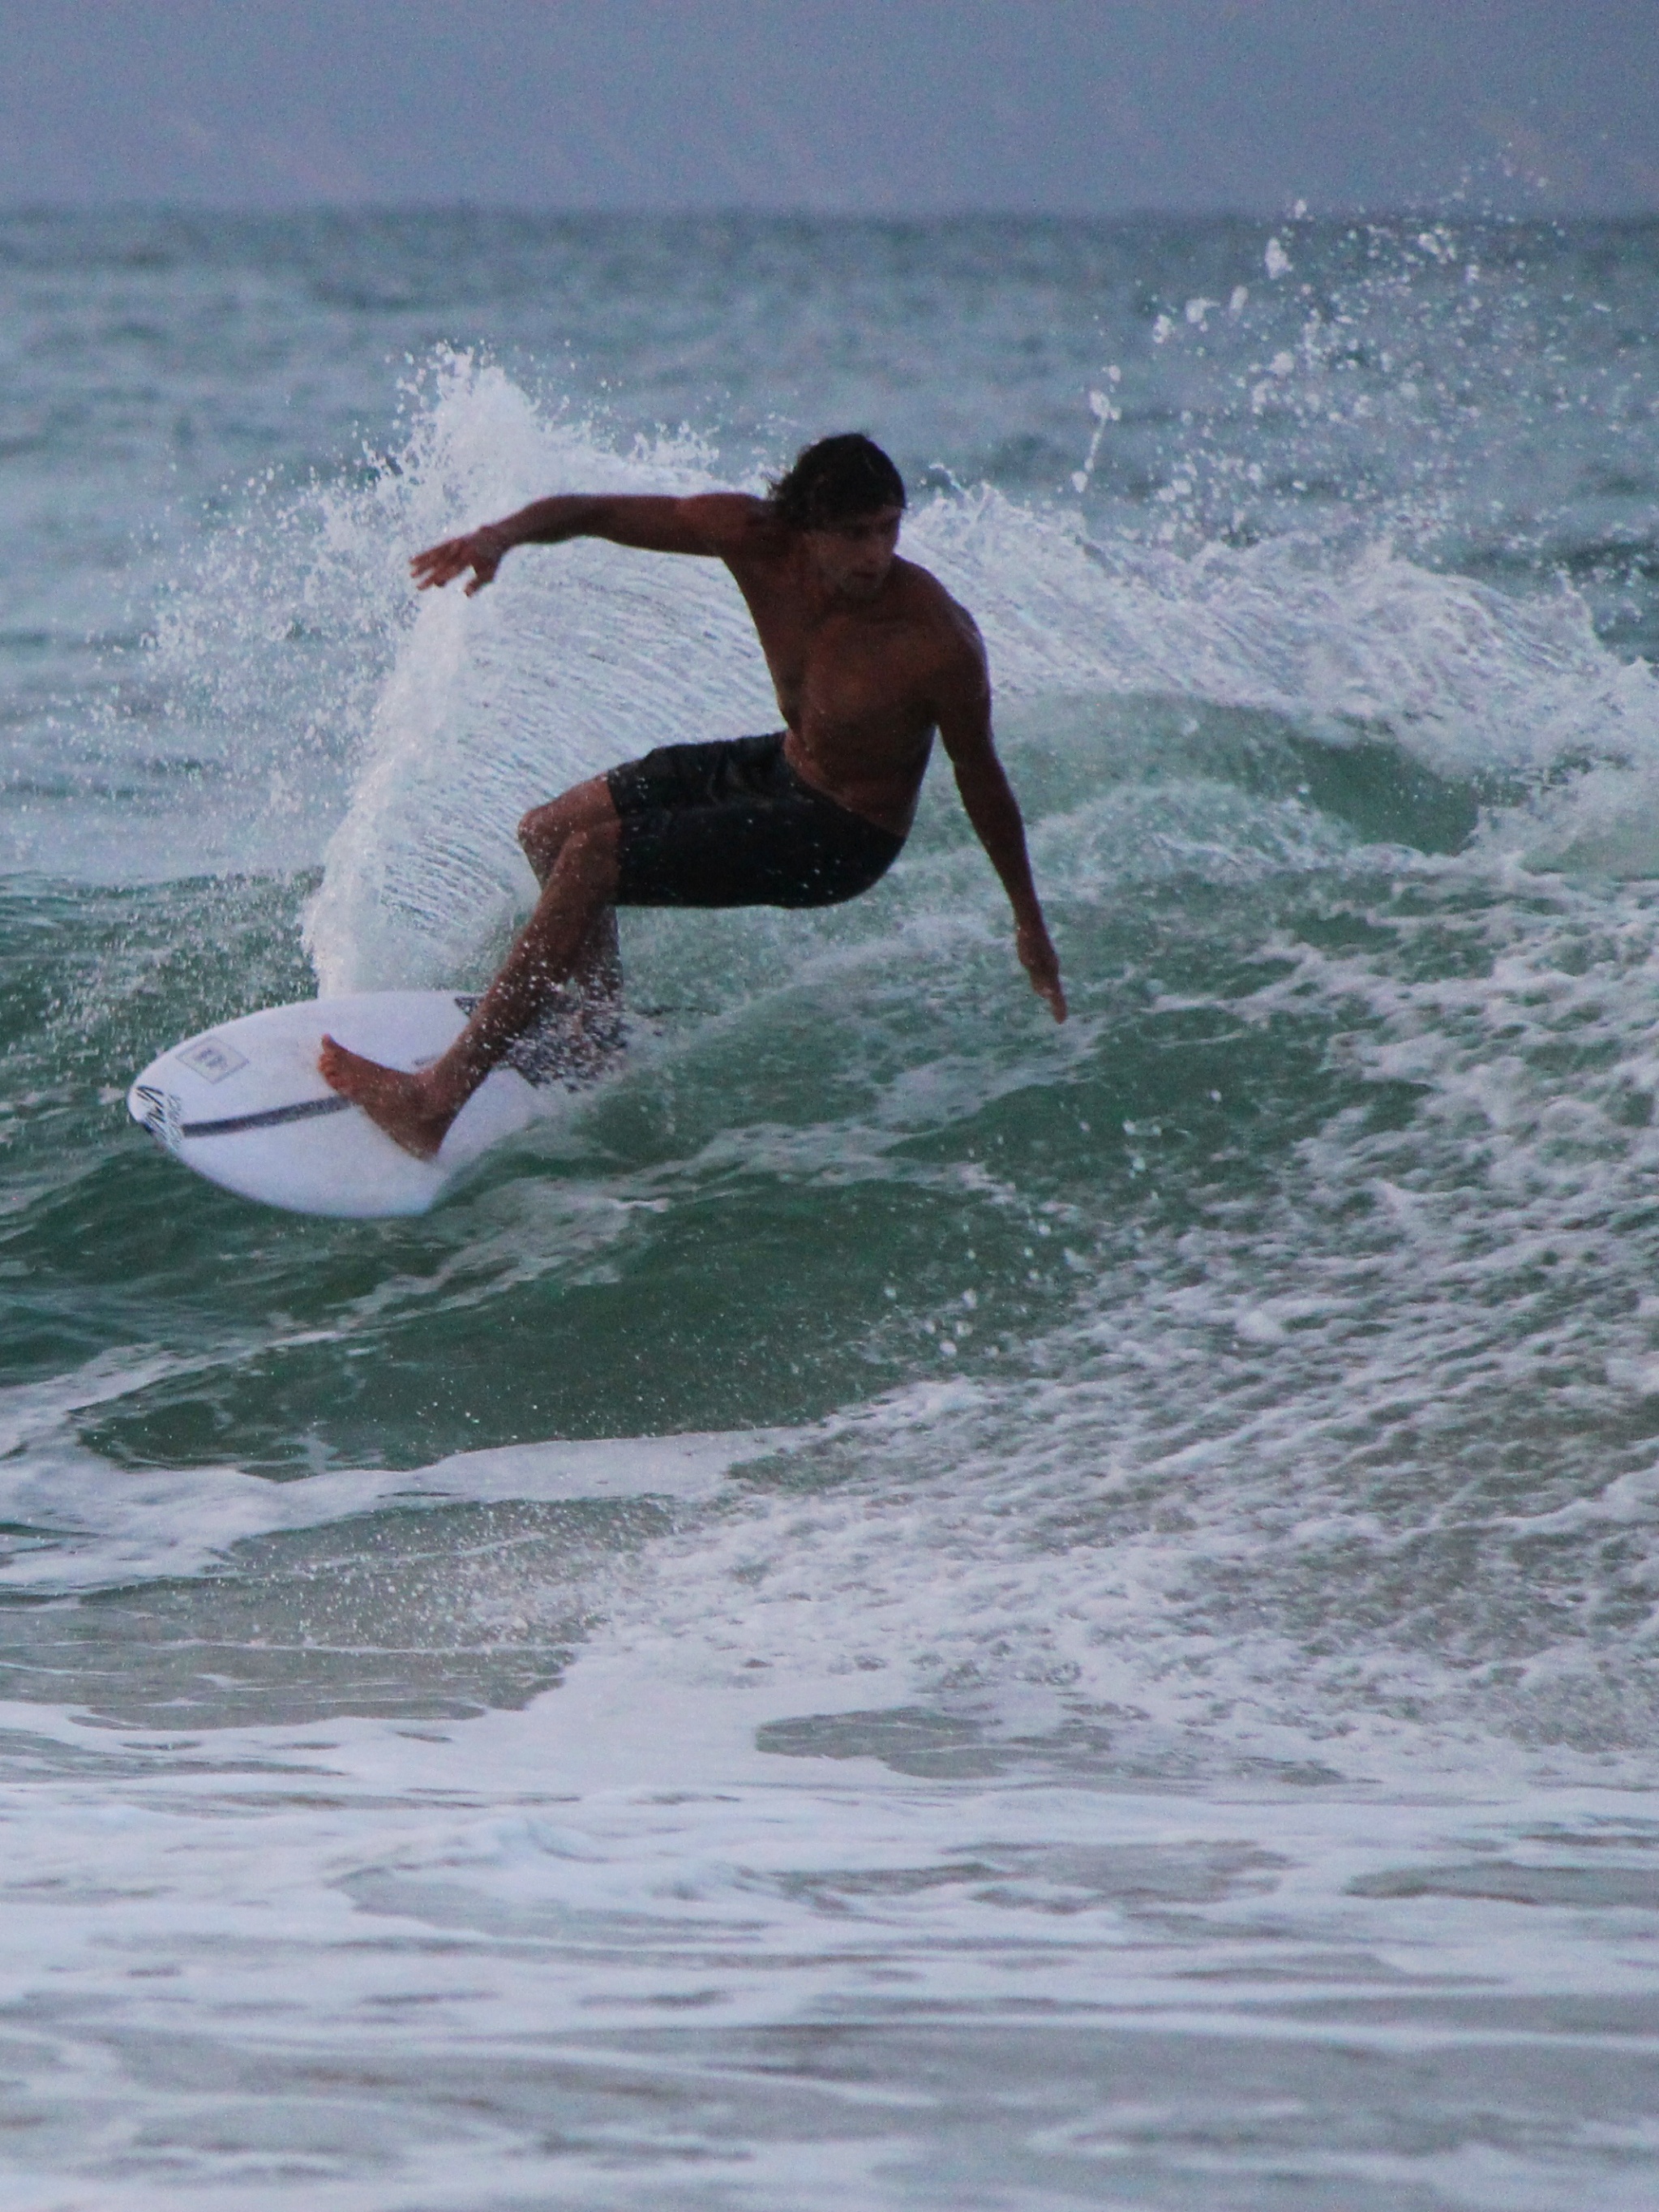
570	925
596	970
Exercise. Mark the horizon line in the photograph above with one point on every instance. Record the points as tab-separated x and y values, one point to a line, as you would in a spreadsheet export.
1298	212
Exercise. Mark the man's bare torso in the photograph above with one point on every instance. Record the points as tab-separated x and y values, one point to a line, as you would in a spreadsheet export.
862	682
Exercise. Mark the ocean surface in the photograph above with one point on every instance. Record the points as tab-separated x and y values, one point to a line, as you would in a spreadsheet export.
901	1607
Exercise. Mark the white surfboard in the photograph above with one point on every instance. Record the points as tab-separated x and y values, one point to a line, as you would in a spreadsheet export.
245	1106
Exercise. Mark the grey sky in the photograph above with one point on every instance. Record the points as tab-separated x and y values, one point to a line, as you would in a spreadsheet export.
884	107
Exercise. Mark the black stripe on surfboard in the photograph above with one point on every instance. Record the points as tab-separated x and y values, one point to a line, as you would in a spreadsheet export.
308	1109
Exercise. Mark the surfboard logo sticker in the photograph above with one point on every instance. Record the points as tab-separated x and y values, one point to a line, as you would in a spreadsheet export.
211	1058
160	1116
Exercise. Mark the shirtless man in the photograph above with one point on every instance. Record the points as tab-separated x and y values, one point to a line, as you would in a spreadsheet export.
869	656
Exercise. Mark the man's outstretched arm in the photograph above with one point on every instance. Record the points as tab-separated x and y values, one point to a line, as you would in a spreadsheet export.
714	523
964	729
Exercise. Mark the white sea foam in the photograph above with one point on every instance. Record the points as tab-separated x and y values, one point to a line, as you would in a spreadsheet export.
86	1527
605	1948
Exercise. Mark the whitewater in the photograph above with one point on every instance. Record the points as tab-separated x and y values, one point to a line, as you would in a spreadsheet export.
901	1607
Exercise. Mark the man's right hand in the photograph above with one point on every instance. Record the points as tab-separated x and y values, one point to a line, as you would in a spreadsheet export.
1041	961
481	550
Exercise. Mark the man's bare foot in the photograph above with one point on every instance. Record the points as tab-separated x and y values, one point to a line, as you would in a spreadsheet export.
396	1102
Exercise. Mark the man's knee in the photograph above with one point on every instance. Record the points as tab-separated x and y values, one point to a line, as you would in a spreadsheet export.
587	858
545	830
541	833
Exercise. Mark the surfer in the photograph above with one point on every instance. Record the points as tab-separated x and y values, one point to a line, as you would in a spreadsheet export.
870	657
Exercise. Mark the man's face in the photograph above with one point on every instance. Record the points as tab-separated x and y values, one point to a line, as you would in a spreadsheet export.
854	558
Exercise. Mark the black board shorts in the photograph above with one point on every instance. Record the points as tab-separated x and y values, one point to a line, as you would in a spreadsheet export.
732	824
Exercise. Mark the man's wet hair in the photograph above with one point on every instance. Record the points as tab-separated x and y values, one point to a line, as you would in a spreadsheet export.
834	481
